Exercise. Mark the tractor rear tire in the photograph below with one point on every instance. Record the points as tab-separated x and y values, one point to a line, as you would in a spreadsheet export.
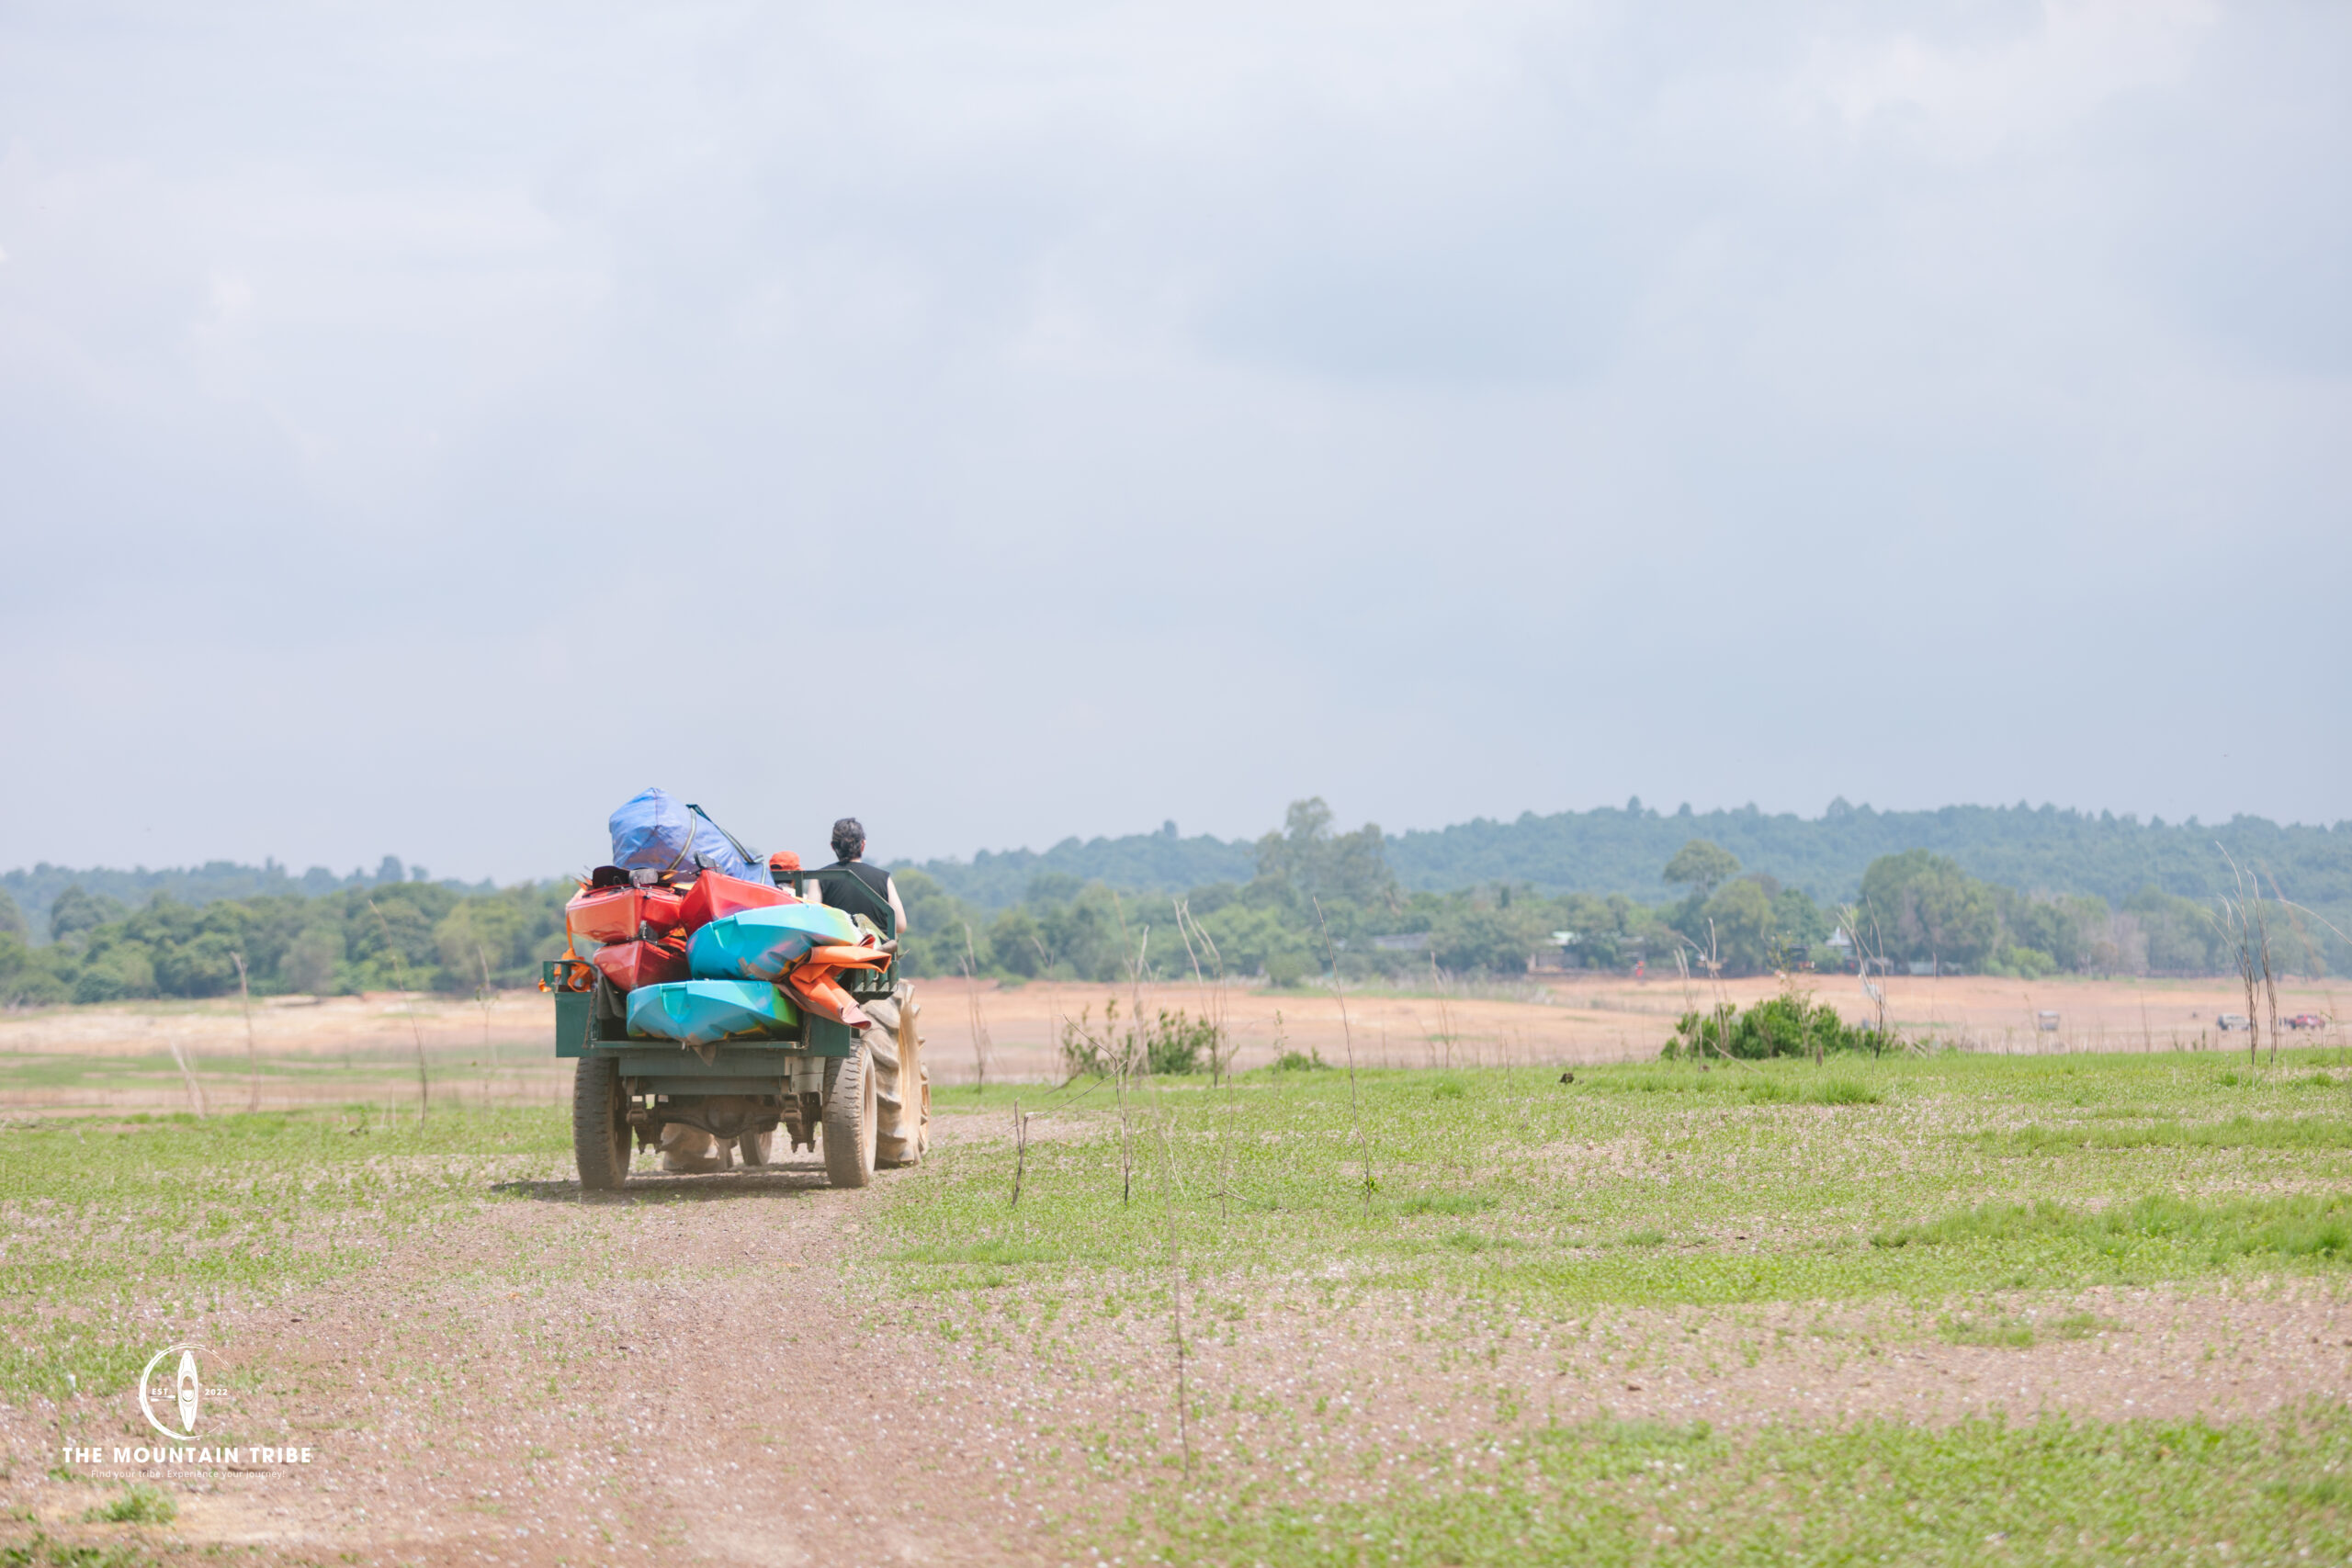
600	1130
903	1135
851	1119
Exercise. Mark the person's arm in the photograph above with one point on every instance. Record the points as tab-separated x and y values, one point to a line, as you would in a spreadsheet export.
890	886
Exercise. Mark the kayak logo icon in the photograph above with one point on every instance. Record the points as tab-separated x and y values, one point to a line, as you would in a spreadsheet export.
181	1392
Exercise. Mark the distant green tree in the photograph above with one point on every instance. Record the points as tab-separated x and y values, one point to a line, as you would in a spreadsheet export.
1307	859
1016	943
1739	921
12	920
76	911
1491	937
2038	935
2183	937
1701	866
29	977
118	974
1927	909
479	940
1253	938
310	960
406	912
934	943
1799	923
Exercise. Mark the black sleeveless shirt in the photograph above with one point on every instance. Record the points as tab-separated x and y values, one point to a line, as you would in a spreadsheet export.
860	890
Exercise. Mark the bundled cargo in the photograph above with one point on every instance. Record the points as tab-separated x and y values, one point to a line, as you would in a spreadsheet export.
704	1012
814	982
619	913
715	896
655	831
762	944
605	914
631	964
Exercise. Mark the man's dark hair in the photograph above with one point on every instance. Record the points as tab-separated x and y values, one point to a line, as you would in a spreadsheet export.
849	839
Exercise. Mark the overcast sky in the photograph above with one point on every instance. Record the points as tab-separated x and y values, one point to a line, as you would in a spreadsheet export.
423	425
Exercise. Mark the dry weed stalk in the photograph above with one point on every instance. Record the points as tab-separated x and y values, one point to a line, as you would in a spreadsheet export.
252	1054
1170	1184
1723	1014
1168	1187
1020	1151
187	1073
399	973
1053	993
2240	923
1137	1052
1220	1041
1123	1058
485	996
979	1025
1348	1035
1221	1052
1866	955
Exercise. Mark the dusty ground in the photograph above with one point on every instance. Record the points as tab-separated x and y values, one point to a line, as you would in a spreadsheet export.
363	1047
710	1369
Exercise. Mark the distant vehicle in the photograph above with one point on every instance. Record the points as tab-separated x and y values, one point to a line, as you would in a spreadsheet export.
2230	1021
2305	1021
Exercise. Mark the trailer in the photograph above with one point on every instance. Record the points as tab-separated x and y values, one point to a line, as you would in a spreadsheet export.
861	1096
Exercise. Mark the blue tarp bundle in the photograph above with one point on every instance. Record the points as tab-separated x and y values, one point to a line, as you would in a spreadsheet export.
761	944
656	831
704	1012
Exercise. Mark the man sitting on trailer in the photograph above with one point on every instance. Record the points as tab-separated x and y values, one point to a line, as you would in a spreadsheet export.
855	887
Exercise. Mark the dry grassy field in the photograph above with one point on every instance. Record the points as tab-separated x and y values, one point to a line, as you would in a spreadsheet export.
365	1048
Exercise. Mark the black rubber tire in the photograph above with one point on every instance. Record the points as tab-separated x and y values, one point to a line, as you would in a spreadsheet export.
752	1148
600	1132
850	1120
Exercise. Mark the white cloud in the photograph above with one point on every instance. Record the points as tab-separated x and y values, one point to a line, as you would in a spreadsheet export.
1965	99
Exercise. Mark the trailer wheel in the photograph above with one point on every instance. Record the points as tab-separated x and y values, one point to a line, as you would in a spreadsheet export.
753	1147
851	1116
600	1134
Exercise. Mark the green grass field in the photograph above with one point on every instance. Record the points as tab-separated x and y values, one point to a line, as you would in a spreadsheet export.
119	1227
1964	1200
1947	1195
1921	1180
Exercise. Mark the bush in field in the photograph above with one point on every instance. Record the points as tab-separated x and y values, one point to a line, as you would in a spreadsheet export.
1786	1025
1168	1044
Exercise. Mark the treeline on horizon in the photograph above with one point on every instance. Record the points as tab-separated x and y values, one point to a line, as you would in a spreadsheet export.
1625	850
1317	897
1312	897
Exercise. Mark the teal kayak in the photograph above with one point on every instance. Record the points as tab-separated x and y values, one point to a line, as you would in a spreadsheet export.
703	1013
762	944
